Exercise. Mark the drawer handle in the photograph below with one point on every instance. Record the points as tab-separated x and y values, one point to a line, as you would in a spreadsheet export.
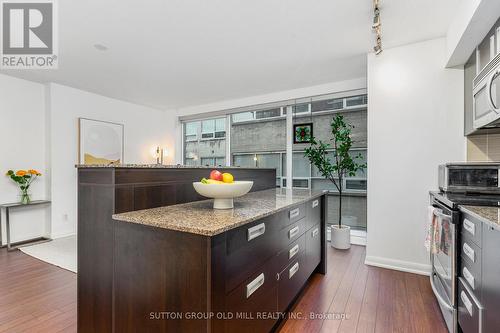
315	203
469	277
293	270
255	284
467	302
256	231
293	232
294	213
470	227
293	251
314	233
469	252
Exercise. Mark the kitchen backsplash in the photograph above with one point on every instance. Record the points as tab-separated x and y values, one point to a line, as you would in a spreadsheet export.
483	148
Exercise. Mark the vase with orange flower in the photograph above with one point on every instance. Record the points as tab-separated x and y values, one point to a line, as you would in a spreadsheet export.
24	178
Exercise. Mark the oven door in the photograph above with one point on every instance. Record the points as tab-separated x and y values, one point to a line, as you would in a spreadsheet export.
443	262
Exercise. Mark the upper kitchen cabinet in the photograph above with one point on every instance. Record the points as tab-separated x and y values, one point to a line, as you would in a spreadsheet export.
482	85
469	75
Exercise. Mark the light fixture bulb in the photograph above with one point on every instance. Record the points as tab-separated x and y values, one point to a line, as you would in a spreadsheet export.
376	19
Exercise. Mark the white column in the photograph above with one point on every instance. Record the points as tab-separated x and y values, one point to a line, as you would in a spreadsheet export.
289	146
228	140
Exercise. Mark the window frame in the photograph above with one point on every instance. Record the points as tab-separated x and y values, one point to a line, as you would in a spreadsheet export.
229	121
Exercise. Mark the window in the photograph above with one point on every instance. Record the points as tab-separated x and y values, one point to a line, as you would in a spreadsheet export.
191	130
258	115
243	116
213	161
329	104
244	160
300	108
260	142
335	104
205	142
258	139
268	113
270	160
356	100
213	128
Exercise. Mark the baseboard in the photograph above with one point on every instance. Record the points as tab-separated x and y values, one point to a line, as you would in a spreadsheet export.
63	235
398	265
357	240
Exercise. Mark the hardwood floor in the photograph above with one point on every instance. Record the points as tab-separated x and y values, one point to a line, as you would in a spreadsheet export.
35	296
371	299
38	297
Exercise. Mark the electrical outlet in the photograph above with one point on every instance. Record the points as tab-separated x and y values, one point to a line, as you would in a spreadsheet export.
65	217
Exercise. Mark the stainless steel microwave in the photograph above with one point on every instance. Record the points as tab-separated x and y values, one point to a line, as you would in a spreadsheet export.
486	96
469	177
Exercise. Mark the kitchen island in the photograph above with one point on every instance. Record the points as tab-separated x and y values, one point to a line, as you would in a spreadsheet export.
104	190
190	268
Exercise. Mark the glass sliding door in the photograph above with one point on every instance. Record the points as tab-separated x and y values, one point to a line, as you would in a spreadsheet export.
320	113
258	139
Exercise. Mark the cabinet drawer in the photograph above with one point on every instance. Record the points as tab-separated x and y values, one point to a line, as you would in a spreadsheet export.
257	294
471	228
295	213
291	233
313	248
471	253
249	246
470	311
471	276
290	281
291	253
313	212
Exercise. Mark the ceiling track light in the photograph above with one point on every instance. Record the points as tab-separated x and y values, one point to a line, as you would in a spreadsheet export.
376	26
378	47
376	19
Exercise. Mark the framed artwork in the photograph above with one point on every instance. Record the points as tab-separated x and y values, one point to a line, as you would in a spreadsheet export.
302	133
100	142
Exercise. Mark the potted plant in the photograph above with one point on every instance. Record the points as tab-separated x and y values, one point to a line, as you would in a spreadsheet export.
342	165
24	179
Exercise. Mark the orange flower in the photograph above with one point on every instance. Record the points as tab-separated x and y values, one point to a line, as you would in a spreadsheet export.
34	172
21	173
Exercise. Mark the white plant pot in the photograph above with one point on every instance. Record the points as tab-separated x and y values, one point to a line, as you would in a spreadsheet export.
341	237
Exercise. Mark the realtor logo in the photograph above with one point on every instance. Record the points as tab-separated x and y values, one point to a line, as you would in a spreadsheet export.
28	35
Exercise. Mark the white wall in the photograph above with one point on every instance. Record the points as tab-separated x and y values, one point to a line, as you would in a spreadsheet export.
22	137
415	123
472	21
144	128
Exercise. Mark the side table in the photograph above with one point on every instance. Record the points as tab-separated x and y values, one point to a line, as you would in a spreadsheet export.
8	207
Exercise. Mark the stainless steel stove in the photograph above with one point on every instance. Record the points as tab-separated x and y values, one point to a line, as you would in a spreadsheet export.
474	184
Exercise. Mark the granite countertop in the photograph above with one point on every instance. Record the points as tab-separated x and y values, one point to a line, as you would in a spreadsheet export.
200	218
158	166
489	215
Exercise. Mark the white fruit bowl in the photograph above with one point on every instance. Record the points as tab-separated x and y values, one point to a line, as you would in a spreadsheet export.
223	194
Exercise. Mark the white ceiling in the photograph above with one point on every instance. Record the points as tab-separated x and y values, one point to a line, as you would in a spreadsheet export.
177	53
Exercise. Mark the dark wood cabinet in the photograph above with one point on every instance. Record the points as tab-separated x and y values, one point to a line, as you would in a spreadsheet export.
291	280
103	192
242	280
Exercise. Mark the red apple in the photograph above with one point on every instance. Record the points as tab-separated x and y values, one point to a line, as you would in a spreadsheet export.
216	175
